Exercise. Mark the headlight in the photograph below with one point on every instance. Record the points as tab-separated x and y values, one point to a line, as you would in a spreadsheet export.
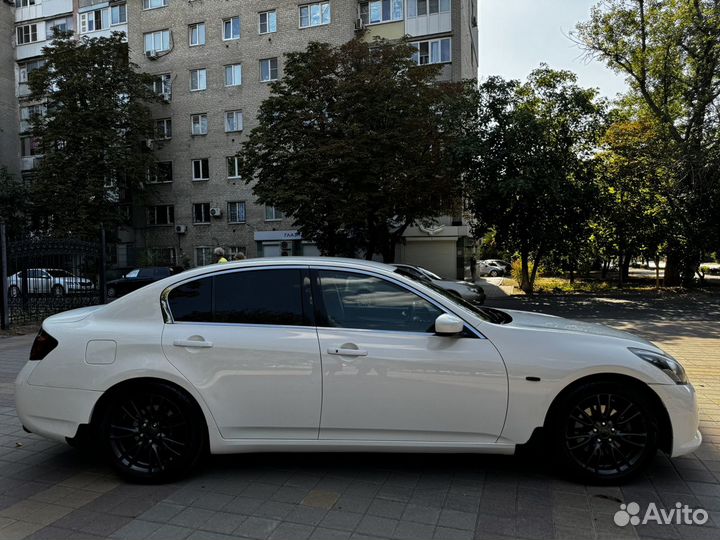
671	367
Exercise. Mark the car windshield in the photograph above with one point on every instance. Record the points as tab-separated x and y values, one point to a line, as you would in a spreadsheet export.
429	274
488	314
132	273
59	273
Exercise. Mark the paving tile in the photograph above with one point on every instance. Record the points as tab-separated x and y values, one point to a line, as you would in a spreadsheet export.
255	527
291	531
167	531
410	530
223	522
136	530
191	517
340	519
446	533
306	515
162	512
329	534
421	514
457	520
378	526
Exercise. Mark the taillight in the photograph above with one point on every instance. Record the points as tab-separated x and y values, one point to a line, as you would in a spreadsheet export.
43	344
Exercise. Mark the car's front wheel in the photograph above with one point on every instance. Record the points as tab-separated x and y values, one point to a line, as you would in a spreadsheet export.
111	292
58	290
604	432
494	273
14	291
153	432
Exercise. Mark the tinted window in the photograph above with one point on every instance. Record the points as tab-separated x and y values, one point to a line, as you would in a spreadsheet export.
366	302
260	297
192	301
145	273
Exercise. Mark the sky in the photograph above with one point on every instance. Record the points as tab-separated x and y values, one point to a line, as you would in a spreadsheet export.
517	35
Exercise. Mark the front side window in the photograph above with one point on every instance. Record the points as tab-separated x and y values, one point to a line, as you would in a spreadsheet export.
196	33
154	4
198	79
269	69
118	14
27	34
272	297
199	123
370	303
157	41
315	14
233	166
201	169
236	212
201	213
233	121
231	28
268	22
233	75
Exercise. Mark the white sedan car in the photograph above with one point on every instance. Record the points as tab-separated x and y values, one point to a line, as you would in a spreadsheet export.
48	281
320	354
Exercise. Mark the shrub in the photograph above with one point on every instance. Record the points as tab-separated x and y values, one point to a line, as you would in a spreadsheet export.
516	271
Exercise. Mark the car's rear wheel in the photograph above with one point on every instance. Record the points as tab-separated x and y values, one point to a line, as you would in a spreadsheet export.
58	290
14	291
604	432
494	273
153	432
111	292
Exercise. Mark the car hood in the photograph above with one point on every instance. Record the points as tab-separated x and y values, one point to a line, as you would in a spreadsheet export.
540	321
73	315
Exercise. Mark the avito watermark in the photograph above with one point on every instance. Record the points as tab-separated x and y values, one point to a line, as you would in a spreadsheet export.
681	514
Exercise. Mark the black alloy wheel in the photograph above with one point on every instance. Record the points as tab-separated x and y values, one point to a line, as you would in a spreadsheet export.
153	433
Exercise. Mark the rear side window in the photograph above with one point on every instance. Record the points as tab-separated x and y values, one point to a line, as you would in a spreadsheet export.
272	297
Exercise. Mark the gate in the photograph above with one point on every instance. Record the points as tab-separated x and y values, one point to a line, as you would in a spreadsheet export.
43	275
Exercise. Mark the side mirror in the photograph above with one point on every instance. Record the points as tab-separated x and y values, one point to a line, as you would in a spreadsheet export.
448	325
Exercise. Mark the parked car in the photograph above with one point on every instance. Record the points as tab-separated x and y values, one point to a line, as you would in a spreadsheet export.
136	278
244	356
467	291
490	268
53	281
504	265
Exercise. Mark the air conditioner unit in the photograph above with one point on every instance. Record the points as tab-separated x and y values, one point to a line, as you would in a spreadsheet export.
181	229
152	55
215	212
359	24
167	97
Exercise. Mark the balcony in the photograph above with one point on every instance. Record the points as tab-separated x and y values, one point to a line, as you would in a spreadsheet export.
28	163
44	8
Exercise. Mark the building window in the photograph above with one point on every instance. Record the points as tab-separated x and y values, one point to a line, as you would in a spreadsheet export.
315	14
163	214
273	214
59	25
421	8
161	256
118	14
162	85
268	22
380	11
163	128
197	34
233	121
231	28
234	252
163	173
154	4
25	3
233	75
91	21
30	146
236	212
201	213
233	167
435	51
269	69
201	169
26	69
27	34
28	113
203	256
198	79
157	41
199	124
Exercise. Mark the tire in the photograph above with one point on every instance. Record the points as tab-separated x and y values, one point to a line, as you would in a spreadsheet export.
152	432
58	290
494	273
586	437
14	291
111	292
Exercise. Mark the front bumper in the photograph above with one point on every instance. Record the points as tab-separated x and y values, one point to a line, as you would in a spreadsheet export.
681	404
55	413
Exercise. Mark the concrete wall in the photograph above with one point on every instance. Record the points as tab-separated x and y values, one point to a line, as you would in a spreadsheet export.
9	141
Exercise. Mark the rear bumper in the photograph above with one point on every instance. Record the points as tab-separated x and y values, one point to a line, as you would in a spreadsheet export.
681	404
55	413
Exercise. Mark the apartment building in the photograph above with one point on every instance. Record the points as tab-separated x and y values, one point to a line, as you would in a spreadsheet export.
9	157
213	61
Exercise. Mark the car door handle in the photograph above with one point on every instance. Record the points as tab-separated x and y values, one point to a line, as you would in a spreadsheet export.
193	343
347	352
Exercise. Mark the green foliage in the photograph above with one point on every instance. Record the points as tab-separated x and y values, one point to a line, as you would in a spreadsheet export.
356	143
13	199
92	137
516	272
532	180
670	53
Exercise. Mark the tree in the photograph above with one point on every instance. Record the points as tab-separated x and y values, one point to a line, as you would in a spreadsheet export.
353	143
670	52
92	137
13	199
531	175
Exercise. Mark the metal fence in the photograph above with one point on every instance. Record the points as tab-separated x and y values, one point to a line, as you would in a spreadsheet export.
41	276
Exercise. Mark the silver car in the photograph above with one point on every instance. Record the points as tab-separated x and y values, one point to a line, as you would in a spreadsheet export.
53	281
467	291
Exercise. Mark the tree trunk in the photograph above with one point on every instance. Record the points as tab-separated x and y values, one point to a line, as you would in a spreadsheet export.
673	264
625	268
536	266
525	283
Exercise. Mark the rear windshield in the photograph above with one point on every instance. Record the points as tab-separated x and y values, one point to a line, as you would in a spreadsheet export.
488	314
